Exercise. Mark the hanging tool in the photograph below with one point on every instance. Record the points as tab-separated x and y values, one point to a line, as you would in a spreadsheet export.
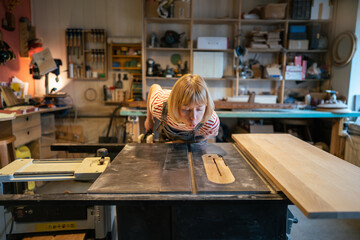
119	83
81	42
78	33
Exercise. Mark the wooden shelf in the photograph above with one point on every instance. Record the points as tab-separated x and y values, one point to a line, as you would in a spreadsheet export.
259	79
308	51
162	78
126	56
167	20
262	21
265	50
307	80
310	21
231	78
127	68
203	21
166	49
215	20
213	50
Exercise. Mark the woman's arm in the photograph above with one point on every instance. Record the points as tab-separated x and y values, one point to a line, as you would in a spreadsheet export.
149	121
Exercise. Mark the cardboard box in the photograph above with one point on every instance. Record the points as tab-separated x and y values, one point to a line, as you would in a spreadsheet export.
181	9
151	9
209	64
212	43
273	11
299	44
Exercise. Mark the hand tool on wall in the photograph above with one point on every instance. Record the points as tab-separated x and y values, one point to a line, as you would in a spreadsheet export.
81	42
78	33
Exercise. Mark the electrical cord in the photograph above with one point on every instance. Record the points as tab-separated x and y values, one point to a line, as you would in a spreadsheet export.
112	118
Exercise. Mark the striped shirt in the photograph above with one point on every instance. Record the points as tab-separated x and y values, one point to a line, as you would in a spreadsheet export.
210	127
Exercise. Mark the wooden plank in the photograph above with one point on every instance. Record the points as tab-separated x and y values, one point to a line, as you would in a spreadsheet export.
216	169
320	184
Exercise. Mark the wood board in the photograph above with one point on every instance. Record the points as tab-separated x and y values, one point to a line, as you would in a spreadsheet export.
321	185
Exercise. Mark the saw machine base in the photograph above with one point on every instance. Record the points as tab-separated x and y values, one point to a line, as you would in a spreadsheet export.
224	198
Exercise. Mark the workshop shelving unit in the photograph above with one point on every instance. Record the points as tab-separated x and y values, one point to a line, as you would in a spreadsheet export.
212	18
128	57
86	54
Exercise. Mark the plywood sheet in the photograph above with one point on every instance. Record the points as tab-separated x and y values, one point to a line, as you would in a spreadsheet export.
320	184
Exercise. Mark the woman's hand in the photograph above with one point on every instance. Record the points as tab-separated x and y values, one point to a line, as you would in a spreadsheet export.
149	124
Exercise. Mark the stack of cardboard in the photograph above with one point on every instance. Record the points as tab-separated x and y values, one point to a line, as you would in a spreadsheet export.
273	39
263	39
257	39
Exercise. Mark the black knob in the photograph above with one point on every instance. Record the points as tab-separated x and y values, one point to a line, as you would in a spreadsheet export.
102	152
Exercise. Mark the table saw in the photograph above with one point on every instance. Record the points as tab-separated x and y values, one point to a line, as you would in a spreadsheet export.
235	190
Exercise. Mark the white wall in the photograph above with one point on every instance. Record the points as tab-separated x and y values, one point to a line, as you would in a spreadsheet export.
354	84
52	17
343	77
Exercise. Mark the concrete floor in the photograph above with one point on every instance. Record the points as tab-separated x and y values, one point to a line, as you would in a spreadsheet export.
321	229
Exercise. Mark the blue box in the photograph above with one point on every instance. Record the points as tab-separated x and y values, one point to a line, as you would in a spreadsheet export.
297	28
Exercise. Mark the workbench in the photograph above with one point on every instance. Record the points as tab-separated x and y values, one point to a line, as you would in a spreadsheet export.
337	119
163	191
26	127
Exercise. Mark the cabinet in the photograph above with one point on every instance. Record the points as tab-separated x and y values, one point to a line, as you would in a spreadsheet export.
210	18
86	53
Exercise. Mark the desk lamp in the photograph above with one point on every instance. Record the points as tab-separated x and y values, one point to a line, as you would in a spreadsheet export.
42	64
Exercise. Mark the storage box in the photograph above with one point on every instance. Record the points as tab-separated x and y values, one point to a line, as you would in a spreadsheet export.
293	75
321	9
298	44
290	68
301	9
209	64
212	43
181	9
273	11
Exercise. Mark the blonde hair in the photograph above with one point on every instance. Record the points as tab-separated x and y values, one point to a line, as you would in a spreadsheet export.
187	90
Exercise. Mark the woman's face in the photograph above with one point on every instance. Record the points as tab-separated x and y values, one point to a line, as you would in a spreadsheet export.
192	114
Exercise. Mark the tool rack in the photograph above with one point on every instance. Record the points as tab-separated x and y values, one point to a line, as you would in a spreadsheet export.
86	53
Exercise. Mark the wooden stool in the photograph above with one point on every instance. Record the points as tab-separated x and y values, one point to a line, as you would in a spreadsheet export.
7	151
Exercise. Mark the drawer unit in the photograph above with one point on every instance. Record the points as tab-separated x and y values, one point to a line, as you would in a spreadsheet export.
21	122
27	135
26	129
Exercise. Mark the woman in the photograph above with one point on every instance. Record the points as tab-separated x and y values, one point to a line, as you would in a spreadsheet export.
184	114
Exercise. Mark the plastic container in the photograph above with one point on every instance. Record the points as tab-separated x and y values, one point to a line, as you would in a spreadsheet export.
23	152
